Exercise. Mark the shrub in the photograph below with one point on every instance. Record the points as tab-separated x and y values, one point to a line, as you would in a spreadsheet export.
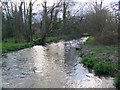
117	81
107	39
103	68
90	60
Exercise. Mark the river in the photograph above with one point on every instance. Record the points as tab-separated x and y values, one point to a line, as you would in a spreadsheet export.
56	65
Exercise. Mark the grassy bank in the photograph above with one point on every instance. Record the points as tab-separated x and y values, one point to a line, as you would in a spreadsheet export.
50	39
12	46
102	59
9	45
55	39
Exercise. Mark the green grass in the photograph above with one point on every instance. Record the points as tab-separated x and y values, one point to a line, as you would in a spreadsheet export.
12	46
90	41
104	48
89	61
9	45
49	39
100	65
0	47
55	39
85	34
102	59
104	68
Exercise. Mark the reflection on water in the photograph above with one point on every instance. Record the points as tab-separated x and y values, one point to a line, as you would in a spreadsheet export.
55	66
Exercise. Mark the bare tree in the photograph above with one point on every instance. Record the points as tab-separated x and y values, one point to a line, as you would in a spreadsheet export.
48	22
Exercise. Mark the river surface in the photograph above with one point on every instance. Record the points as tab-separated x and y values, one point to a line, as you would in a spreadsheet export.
55	66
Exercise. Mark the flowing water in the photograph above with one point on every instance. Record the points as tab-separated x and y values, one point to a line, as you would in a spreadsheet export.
55	66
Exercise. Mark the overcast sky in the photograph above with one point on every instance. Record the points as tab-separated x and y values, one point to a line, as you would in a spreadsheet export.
50	2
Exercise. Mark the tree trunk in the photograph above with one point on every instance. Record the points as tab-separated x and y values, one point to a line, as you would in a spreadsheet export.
30	22
64	16
44	25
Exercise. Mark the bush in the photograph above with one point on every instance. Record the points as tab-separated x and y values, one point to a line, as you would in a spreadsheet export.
107	39
103	69
117	81
90	61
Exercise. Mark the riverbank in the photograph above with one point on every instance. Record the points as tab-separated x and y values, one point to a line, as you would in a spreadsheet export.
10	45
100	58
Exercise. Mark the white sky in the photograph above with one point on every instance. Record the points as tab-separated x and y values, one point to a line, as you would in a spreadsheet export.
50	2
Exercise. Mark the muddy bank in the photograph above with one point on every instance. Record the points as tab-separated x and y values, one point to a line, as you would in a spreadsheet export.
55	66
